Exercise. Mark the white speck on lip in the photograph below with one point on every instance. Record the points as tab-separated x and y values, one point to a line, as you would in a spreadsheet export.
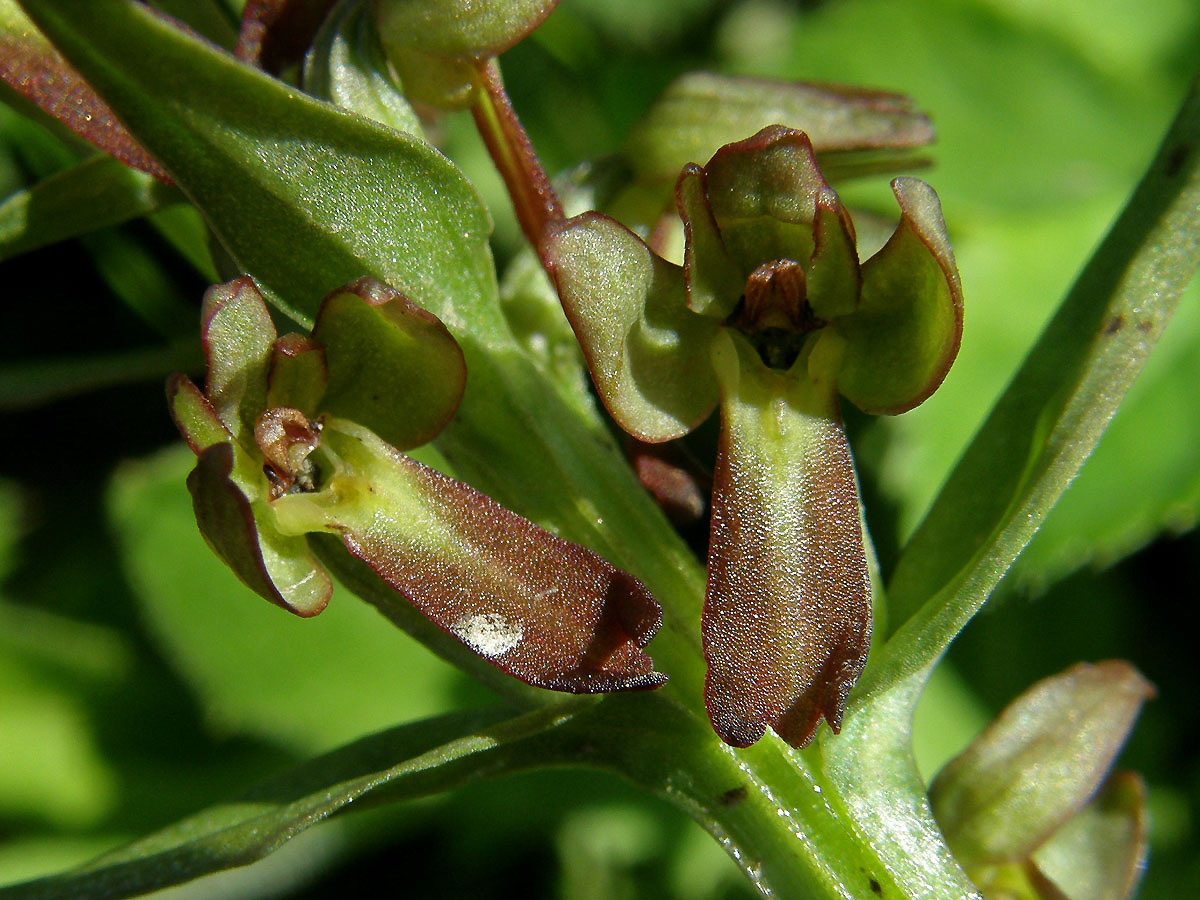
488	634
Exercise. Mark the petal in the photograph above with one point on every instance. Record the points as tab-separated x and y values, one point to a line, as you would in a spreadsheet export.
834	279
647	352
237	334
393	367
1038	763
763	192
549	612
194	416
278	567
298	374
787	613
900	342
715	282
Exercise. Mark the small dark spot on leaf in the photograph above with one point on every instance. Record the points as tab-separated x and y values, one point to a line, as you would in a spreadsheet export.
733	796
1176	158
876	887
1145	326
1115	324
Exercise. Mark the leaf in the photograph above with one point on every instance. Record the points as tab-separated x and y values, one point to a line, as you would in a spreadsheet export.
93	194
551	613
701	111
787	615
1054	412
647	352
900	342
393	367
412	760
1038	763
35	70
365	199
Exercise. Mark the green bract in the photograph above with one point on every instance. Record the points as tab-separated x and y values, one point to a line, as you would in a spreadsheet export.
298	436
771	316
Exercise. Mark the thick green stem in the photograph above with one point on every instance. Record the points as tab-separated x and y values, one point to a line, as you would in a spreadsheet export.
533	197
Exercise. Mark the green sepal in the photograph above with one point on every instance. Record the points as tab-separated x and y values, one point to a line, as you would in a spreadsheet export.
346	65
298	374
647	352
280	568
238	335
549	612
702	111
393	367
787	612
763	193
1067	729
900	342
715	281
464	29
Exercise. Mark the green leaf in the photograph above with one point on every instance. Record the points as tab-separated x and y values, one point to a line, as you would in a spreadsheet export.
94	194
648	353
1037	764
34	70
1053	413
408	761
787	615
901	340
346	66
365	199
701	111
393	367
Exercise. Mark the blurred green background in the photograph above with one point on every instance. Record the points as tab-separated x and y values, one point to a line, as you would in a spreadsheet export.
139	680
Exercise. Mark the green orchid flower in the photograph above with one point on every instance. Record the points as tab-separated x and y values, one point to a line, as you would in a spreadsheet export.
770	317
302	436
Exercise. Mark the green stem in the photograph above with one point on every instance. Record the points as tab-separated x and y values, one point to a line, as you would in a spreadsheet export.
533	197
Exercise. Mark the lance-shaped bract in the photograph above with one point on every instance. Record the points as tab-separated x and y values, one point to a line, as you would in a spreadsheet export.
280	458
771	316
